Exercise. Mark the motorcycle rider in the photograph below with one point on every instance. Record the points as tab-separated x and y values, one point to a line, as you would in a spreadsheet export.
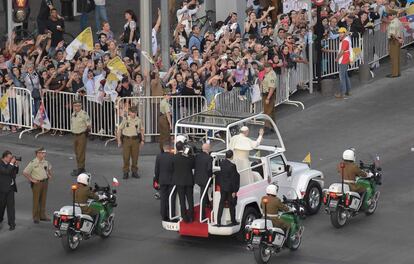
351	171
273	206
83	193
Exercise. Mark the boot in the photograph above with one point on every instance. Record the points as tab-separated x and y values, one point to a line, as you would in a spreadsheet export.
135	175
126	175
75	173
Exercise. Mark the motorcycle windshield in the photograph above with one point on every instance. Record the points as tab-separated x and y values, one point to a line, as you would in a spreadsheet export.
99	180
367	158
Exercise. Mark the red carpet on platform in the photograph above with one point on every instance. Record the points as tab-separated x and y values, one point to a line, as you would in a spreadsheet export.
195	228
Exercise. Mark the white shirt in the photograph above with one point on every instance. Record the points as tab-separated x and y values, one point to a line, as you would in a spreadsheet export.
100	2
241	142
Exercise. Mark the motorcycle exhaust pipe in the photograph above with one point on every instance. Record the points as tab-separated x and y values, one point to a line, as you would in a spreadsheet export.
249	247
58	234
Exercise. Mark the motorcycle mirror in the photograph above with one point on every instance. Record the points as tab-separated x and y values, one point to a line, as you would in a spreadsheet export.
284	198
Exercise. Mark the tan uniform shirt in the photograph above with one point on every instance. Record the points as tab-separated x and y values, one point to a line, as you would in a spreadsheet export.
164	107
131	127
351	171
80	122
270	81
274	205
395	29
38	170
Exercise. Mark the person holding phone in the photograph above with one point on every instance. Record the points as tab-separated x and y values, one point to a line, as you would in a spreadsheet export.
56	28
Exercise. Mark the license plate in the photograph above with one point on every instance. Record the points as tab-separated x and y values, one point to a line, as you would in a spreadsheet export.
333	203
64	226
256	240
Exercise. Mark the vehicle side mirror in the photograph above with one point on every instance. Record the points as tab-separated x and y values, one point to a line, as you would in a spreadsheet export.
288	170
284	199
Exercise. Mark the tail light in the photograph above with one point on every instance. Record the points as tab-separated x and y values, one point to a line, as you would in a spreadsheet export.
64	218
333	195
217	188
78	224
55	221
347	200
247	236
325	199
256	232
270	238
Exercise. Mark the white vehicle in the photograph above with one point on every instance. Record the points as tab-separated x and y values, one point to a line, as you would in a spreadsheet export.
268	165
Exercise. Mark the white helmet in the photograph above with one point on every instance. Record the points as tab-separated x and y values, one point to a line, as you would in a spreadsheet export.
349	155
83	178
181	138
271	189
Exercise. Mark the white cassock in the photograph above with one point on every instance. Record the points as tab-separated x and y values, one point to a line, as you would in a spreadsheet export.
241	146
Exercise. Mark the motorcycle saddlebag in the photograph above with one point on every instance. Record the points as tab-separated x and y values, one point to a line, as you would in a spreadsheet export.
87	223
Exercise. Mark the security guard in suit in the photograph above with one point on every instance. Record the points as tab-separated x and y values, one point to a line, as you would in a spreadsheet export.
164	177
164	121
38	172
80	125
273	206
269	84
9	167
130	133
203	171
83	193
351	171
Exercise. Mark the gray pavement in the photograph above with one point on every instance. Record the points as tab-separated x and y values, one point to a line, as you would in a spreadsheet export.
377	118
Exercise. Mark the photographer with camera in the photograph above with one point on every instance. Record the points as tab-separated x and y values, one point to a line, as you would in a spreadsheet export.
38	172
9	167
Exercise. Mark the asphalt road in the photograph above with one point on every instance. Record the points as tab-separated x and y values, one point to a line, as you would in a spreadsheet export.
378	118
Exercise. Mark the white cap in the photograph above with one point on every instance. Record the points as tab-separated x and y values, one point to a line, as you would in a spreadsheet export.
244	129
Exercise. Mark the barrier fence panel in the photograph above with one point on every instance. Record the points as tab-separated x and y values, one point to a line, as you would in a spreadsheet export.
149	110
231	102
16	108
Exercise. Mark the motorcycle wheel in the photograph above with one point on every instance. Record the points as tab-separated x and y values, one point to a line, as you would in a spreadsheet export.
106	232
295	244
313	198
337	218
69	242
260	254
371	209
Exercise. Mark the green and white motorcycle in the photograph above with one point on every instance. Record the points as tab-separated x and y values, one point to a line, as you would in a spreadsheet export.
342	204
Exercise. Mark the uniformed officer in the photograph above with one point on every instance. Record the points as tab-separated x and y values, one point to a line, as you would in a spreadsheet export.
83	193
38	172
351	171
130	133
80	124
395	40
273	206
269	84
164	121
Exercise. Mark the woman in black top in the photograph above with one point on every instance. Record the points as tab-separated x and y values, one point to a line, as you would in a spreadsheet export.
130	34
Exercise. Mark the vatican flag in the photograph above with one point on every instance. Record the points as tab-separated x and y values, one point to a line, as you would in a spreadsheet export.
83	41
117	68
308	159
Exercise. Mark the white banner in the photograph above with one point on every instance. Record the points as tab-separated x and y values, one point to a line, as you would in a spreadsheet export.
289	5
337	5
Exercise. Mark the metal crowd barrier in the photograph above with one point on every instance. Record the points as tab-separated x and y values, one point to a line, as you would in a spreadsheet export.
149	109
18	109
230	102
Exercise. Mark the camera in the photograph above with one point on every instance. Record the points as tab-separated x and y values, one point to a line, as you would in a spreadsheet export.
18	158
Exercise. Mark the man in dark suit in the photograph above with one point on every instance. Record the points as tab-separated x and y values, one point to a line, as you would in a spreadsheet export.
164	177
8	170
203	170
184	180
229	180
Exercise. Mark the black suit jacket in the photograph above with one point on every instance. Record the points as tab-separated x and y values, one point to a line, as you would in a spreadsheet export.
183	170
229	178
7	175
203	168
164	168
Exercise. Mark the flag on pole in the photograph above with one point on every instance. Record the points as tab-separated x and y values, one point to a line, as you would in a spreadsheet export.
308	159
83	41
41	118
4	107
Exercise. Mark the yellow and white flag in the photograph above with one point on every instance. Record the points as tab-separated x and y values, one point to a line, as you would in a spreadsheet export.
83	41
4	107
117	68
308	159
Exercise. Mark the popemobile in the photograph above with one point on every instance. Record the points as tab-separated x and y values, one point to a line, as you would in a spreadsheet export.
268	165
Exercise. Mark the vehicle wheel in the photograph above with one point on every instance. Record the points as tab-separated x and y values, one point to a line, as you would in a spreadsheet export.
249	215
70	242
338	218
262	254
295	244
371	209
106	232
313	198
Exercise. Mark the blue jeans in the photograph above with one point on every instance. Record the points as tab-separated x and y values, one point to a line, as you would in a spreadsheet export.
243	89
84	21
344	79
100	12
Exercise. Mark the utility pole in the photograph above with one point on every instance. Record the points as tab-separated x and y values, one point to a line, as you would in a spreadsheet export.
165	34
310	45
146	30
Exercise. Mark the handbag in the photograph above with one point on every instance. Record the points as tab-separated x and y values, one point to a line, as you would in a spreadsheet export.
255	92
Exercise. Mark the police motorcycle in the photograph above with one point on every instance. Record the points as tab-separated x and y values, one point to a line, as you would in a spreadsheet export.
266	240
342	204
73	226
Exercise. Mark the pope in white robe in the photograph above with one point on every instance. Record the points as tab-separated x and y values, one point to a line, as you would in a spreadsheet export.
241	145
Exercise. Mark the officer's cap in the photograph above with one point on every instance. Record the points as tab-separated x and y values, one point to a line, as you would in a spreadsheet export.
76	102
267	65
133	109
40	150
